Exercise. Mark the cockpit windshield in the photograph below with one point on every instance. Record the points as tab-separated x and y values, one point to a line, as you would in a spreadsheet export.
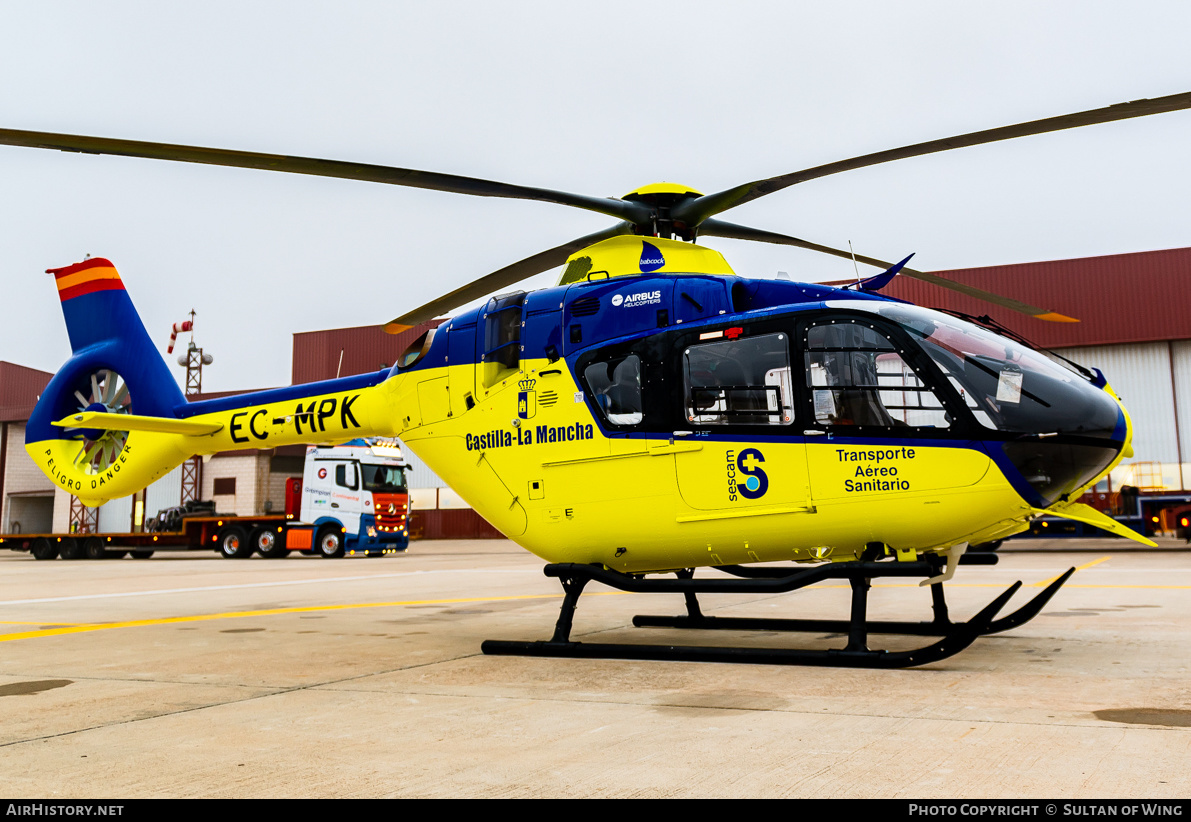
1007	386
386	479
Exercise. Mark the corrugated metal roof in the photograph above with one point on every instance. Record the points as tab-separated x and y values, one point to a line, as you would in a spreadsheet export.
364	349
19	390
1120	298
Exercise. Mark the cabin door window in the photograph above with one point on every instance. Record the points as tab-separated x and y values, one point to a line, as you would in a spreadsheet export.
616	388
858	377
742	381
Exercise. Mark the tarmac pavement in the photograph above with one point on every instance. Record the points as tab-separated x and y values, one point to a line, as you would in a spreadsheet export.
193	676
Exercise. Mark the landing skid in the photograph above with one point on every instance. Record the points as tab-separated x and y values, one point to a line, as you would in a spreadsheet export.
856	654
941	625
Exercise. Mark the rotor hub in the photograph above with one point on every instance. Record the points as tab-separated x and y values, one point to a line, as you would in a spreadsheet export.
661	198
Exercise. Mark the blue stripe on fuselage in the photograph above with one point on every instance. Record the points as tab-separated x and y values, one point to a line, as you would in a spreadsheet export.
292	392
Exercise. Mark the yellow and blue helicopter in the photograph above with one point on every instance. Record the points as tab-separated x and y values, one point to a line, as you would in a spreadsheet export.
654	413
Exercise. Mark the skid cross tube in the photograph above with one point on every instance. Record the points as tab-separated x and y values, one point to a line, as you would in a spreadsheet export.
855	654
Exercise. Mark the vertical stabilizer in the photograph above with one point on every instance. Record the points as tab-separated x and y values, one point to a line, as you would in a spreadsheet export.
106	333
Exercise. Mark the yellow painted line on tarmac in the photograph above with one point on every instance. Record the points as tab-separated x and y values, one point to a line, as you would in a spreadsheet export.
1079	568
139	623
1145	587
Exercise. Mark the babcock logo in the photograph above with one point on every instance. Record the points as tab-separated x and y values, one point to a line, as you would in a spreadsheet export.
746	478
651	258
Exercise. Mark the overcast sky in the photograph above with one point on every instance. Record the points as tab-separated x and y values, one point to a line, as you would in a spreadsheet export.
597	101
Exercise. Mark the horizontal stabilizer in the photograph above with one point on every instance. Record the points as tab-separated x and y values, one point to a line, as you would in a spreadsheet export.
1088	515
131	422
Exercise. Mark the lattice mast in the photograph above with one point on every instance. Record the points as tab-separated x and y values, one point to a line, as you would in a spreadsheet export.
193	360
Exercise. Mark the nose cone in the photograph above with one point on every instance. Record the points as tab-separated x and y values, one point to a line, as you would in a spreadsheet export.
1090	433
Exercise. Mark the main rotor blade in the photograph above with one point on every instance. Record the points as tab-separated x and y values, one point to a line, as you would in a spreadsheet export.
694	212
509	275
719	228
621	209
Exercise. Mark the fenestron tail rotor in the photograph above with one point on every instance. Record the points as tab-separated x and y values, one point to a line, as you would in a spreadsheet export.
108	393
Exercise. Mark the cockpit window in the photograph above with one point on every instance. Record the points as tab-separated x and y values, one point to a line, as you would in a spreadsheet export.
744	381
857	377
1007	386
616	386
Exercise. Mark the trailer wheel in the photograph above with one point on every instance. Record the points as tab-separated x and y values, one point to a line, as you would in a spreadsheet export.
234	544
93	548
42	548
69	548
330	542
141	554
266	543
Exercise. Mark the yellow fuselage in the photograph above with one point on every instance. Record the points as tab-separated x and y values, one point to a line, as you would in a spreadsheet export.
557	485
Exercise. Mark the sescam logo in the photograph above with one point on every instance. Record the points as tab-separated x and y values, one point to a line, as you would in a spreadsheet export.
651	258
746	478
640	298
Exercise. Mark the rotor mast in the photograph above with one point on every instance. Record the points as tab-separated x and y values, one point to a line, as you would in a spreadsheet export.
661	199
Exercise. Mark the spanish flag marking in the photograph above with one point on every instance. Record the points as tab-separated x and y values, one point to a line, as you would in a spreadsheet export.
85	278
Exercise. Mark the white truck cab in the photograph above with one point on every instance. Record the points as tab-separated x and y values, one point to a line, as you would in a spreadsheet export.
354	500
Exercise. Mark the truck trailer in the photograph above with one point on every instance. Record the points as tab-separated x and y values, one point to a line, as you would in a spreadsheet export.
351	500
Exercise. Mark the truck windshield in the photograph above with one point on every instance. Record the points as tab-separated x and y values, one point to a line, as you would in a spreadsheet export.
383	478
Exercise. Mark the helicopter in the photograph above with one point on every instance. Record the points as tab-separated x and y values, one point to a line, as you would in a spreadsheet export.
654	413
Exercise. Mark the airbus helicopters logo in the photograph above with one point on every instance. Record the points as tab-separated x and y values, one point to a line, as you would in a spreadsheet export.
640	298
746	478
651	258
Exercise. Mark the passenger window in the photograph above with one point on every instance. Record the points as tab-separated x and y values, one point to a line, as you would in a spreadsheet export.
743	381
616	387
857	377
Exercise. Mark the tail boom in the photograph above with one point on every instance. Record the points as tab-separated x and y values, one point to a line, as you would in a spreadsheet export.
113	420
327	412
